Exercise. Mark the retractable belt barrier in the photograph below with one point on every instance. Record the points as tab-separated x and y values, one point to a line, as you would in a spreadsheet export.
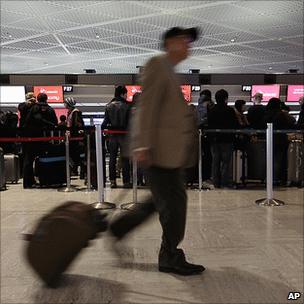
101	204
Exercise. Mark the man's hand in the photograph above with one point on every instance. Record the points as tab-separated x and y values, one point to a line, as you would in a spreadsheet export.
143	157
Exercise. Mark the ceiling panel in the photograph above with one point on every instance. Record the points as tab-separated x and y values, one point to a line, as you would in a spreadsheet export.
116	36
77	4
124	9
271	7
20	7
130	40
167	5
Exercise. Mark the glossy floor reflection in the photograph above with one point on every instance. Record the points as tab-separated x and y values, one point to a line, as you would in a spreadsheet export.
252	254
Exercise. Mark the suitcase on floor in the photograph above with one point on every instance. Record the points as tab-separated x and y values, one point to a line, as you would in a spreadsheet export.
295	157
2	172
59	237
12	168
51	170
256	160
239	167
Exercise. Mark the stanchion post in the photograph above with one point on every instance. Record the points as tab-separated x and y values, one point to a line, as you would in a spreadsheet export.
134	164
129	206
100	204
89	186
88	189
200	173
67	165
269	200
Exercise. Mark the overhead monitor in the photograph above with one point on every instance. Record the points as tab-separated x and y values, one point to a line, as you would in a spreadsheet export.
294	92
54	93
12	94
268	91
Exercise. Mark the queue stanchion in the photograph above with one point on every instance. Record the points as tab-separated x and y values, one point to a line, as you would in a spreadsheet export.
100	204
269	200
129	206
68	188
89	188
200	173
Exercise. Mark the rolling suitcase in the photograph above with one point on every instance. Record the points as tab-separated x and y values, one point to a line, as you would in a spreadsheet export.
50	170
295	158
239	167
2	172
60	236
12	168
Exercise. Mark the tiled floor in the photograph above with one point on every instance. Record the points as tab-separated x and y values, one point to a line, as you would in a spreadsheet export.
252	254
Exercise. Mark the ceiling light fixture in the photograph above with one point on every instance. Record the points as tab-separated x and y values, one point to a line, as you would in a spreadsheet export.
97	35
10	36
270	68
232	40
209	66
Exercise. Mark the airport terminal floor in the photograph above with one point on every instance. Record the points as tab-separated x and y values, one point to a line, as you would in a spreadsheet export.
252	254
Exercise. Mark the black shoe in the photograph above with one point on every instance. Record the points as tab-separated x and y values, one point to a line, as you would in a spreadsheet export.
128	186
183	269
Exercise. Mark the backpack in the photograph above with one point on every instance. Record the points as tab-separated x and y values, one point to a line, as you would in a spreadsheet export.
118	114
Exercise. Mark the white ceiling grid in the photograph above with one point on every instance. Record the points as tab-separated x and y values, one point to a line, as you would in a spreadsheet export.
116	36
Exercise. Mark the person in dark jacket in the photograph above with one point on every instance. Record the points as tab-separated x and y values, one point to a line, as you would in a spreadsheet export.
41	117
280	120
256	113
117	118
221	117
25	107
239	112
205	104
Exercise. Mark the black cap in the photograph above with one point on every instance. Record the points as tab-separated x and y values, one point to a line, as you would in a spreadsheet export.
192	33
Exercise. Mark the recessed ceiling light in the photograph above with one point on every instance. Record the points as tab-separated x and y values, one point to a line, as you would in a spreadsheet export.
232	40
10	36
209	66
97	36
270	68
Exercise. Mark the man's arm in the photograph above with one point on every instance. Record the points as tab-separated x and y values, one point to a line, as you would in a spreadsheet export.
149	104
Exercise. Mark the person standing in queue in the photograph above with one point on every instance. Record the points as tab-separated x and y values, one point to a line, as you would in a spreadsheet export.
164	138
117	118
40	118
75	124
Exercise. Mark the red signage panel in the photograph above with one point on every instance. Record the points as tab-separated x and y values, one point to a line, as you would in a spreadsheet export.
186	90
54	93
131	91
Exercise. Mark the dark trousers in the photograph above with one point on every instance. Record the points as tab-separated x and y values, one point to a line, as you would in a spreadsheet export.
117	143
30	152
280	162
221	158
169	199
206	158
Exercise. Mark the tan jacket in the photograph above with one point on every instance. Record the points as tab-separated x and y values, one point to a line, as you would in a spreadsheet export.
163	122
